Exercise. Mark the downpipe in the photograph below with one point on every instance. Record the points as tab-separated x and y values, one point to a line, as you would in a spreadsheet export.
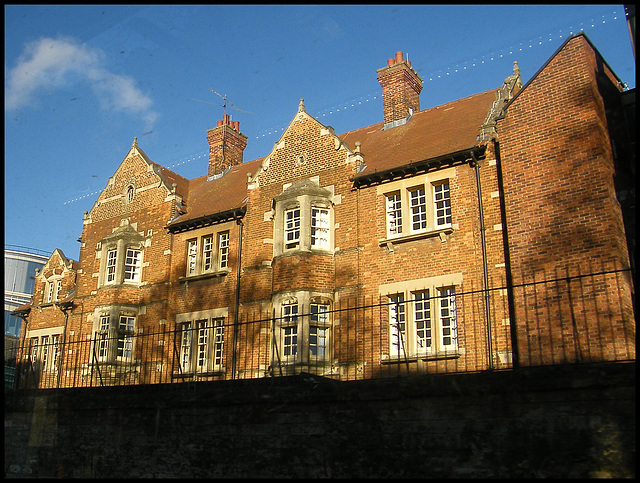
236	324
487	302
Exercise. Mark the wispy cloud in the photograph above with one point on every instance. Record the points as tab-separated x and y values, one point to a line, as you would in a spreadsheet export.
54	63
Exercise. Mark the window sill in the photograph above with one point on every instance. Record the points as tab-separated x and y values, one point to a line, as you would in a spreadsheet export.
203	276
441	232
452	354
121	285
304	251
195	375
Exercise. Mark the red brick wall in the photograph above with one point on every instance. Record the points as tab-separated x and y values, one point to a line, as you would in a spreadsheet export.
561	208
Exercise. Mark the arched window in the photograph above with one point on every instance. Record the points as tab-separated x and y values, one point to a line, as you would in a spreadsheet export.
131	192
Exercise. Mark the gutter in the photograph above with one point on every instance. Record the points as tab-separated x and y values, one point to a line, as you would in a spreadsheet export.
412	169
207	220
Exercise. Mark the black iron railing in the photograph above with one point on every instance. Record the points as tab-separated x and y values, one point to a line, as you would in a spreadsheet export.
542	319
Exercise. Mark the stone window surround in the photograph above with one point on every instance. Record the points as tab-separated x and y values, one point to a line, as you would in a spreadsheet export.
193	317
198	235
407	288
122	238
47	332
114	311
304	299
403	187
306	195
52	285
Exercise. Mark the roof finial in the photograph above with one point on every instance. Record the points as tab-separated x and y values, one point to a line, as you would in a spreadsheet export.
135	142
301	105
516	69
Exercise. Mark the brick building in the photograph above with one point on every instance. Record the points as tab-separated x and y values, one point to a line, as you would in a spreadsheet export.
463	237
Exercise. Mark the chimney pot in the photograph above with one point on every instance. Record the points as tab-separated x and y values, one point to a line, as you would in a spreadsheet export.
401	86
226	146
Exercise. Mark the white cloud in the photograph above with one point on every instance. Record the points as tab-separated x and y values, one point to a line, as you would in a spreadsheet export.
53	63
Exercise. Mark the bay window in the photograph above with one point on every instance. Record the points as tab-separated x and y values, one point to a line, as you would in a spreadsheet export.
302	335
303	218
121	257
114	333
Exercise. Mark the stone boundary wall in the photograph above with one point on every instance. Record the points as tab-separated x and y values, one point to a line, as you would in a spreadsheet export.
562	421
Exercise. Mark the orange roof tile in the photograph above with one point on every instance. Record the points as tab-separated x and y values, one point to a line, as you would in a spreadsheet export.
434	132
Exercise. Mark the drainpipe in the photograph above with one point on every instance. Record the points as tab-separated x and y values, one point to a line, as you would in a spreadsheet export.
21	347
515	354
487	301
62	347
235	323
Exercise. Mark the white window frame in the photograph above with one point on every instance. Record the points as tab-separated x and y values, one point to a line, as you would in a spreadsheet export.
418	206
124	337
405	331
442	203
393	204
319	330
44	348
50	291
292	228
223	250
103	338
123	264
303	329
289	331
111	266
192	256
49	347
320	227
202	342
423	317
208	253
115	328
132	265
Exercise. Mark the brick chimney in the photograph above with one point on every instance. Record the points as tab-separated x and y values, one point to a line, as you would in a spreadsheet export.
226	145
401	87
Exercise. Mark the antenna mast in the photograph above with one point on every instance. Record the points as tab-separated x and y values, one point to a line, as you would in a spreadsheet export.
224	113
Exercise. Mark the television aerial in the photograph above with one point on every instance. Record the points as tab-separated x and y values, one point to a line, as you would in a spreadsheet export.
224	105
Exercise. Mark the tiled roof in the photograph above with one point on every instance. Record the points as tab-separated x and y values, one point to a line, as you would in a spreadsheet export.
432	133
207	196
435	132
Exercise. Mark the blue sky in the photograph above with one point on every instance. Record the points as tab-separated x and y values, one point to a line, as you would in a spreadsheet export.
82	81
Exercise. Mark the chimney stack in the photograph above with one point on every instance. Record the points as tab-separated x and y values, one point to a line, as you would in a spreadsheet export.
401	87
226	145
